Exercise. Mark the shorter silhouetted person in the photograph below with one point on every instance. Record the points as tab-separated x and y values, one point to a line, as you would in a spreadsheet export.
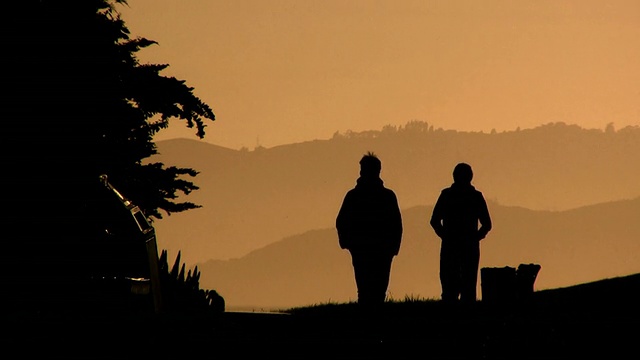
461	219
369	226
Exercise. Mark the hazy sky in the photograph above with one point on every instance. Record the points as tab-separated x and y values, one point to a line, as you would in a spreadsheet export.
285	71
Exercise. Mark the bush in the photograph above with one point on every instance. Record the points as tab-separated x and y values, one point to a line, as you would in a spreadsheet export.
181	291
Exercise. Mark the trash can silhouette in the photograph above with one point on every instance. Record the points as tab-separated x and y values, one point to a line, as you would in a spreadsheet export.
507	284
526	275
498	284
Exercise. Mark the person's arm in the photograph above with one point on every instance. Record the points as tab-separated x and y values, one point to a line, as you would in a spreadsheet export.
397	225
342	223
484	218
436	217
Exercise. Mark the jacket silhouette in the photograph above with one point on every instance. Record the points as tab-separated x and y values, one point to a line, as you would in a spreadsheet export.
369	226
456	216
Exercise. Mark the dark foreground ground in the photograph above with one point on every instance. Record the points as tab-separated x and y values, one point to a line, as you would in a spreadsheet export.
594	320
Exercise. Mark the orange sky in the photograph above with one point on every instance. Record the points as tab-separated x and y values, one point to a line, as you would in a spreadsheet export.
285	71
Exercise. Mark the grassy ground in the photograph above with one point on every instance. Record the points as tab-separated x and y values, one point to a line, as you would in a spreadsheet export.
592	320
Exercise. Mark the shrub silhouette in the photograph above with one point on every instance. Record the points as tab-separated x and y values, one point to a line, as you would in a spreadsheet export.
181	290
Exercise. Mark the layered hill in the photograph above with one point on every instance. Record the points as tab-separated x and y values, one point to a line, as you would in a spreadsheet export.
252	198
572	246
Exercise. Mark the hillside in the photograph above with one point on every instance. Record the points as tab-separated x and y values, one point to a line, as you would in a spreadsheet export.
254	198
590	320
573	246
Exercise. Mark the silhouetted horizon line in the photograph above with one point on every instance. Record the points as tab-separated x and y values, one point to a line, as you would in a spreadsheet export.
410	126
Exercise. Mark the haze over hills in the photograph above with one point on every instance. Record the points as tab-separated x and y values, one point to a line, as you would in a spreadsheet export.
255	198
573	247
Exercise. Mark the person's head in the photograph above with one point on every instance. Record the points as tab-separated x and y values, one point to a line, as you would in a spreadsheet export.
462	173
370	165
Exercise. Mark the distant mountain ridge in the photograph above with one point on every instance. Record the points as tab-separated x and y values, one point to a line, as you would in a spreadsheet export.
573	247
254	198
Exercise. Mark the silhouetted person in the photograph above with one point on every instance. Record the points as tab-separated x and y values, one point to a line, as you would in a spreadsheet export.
369	225
461	219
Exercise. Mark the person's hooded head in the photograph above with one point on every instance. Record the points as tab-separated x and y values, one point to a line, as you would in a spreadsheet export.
462	174
370	166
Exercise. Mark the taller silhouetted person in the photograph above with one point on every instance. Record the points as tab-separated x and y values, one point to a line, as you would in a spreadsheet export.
369	226
461	219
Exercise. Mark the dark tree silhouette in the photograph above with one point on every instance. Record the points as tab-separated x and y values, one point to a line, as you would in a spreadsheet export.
81	104
77	103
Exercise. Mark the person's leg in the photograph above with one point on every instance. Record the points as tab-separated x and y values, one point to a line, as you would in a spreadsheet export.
362	269
383	274
470	263
449	272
